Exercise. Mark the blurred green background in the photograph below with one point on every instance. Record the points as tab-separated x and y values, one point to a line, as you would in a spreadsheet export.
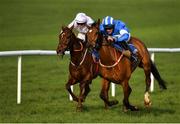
35	25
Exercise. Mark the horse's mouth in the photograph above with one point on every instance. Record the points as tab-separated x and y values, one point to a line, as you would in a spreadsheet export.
61	53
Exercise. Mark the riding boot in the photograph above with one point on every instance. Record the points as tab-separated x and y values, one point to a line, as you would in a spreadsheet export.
95	55
95	52
128	52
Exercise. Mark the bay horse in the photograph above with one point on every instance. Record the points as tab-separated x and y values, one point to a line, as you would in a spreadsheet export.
116	68
82	68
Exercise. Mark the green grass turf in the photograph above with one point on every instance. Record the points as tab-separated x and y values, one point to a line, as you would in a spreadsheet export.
35	24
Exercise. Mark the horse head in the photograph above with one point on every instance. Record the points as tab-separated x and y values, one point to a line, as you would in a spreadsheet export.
92	35
65	38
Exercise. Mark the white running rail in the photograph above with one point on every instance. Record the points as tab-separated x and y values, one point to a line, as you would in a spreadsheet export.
52	52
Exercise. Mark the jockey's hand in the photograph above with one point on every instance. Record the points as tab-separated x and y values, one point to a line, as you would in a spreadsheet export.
110	38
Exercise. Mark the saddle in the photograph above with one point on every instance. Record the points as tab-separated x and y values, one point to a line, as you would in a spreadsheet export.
130	54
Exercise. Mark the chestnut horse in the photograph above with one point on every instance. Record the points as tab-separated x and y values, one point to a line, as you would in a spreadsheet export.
116	68
82	68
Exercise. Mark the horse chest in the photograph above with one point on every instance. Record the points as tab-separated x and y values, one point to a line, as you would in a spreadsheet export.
115	74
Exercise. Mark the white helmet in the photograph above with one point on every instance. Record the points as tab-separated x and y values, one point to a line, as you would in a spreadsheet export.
81	18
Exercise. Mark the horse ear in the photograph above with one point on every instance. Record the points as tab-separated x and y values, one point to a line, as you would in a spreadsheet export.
98	23
71	28
63	27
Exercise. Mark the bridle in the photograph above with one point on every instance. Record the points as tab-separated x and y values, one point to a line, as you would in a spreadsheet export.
71	41
100	41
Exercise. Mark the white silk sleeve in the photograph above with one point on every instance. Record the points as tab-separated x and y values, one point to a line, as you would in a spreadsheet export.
90	21
123	32
71	24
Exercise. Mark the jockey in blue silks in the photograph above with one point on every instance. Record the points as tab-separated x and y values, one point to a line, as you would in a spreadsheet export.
117	32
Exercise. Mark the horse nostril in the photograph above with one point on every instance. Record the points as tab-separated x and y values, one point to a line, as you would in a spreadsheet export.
57	51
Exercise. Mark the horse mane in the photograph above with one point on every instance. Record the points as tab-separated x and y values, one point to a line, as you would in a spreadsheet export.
100	39
96	23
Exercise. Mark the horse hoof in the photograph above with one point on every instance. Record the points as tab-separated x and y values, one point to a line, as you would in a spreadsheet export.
106	108
125	109
163	88
82	100
147	101
79	109
134	108
114	102
75	99
147	104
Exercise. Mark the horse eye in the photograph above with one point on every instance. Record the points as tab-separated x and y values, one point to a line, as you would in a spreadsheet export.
96	32
62	35
69	36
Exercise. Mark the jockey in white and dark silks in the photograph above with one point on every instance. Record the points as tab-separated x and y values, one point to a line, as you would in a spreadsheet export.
117	32
81	24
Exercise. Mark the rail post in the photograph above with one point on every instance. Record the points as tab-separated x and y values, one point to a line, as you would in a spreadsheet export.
113	89
70	97
152	77
19	80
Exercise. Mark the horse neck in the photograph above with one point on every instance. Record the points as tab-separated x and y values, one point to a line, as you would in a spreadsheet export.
77	50
108	55
76	43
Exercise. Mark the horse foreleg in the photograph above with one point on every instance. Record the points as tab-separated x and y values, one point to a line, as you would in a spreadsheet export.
70	82
104	94
127	91
80	99
87	90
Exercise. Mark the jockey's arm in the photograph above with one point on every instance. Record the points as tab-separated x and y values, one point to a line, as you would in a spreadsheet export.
71	24
123	35
90	21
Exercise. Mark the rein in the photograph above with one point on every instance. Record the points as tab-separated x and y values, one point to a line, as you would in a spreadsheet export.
106	43
110	66
72	44
84	56
81	60
80	48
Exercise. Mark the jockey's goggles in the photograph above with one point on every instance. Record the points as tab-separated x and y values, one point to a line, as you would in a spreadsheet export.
106	27
81	23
